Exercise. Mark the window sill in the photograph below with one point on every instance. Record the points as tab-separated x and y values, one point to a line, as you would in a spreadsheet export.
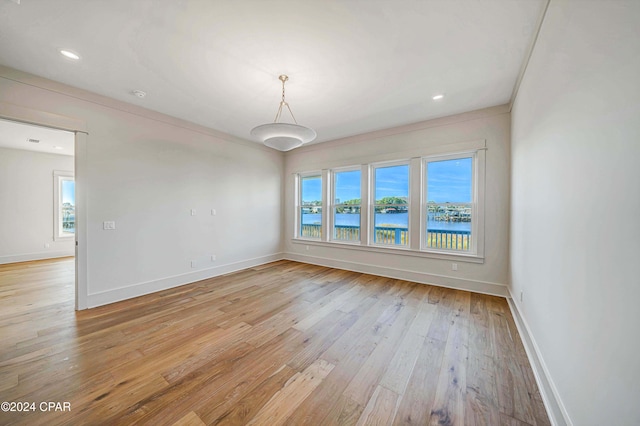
458	257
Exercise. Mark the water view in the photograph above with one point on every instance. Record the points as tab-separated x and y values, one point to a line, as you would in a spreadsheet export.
68	206
449	205
400	220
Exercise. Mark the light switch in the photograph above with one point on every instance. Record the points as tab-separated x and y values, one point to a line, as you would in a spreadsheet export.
109	225
193	212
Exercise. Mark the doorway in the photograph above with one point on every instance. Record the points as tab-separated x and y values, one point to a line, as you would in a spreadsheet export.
40	141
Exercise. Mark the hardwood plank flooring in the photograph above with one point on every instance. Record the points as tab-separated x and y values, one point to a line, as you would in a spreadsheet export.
282	343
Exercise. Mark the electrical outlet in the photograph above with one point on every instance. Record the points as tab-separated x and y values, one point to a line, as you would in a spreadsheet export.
306	248
213	257
213	212
454	266
109	225
193	263
47	245
193	212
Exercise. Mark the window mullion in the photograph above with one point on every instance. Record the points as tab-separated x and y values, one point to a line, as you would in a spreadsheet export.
365	205
415	203
327	214
298	216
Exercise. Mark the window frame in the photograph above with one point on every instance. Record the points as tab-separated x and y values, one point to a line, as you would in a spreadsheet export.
333	205
372	202
417	201
473	249
298	221
60	176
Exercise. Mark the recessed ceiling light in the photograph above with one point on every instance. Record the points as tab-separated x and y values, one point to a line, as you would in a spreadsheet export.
139	93
437	97
58	147
69	54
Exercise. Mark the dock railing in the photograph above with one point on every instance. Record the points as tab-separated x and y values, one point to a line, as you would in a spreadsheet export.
436	238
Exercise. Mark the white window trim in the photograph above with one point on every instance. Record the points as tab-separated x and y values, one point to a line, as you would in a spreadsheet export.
417	227
477	217
372	202
365	189
58	177
399	250
332	204
298	216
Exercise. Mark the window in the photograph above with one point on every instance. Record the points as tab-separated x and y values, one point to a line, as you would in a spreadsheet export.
64	212
347	204
425	206
450	204
311	206
391	209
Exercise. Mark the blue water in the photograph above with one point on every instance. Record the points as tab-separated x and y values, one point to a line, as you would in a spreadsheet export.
399	219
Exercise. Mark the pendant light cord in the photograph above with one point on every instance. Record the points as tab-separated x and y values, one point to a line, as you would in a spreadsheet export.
284	78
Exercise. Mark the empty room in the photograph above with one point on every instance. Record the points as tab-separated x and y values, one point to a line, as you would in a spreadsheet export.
323	212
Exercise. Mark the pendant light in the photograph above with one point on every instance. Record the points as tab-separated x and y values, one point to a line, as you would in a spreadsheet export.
283	136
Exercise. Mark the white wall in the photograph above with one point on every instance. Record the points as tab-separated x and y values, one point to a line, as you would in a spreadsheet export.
491	124
26	205
575	231
146	171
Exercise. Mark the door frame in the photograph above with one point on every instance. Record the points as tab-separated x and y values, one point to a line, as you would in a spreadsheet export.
79	128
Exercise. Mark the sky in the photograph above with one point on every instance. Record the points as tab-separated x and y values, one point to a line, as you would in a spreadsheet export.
68	192
448	181
347	185
392	181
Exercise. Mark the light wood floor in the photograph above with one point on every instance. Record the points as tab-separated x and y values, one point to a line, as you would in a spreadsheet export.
285	343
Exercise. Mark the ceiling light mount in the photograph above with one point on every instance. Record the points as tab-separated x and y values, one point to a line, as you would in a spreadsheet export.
139	93
69	54
283	136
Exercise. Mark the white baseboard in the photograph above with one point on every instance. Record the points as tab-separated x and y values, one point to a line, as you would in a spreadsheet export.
553	403
26	257
475	286
140	289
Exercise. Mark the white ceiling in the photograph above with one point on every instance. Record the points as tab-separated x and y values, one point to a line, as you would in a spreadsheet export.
52	141
354	65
